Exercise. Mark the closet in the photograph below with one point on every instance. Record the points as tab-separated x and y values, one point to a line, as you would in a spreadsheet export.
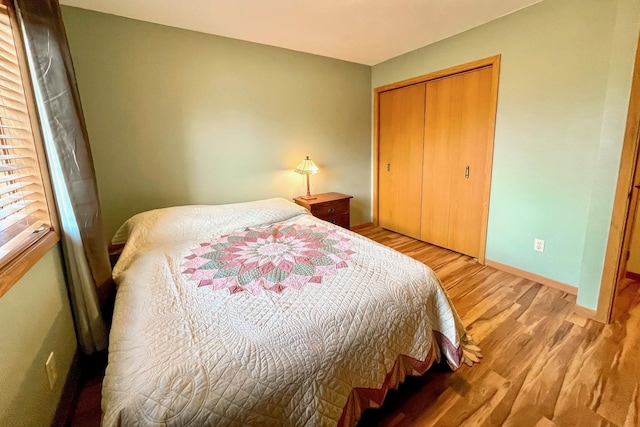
434	146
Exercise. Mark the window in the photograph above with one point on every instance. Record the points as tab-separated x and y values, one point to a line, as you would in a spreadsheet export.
25	214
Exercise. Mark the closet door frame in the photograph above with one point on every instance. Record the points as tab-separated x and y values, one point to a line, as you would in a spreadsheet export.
494	63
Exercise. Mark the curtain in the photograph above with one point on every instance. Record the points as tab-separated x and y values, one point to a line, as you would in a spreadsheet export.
70	166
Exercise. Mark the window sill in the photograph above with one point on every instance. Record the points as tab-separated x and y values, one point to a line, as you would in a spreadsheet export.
17	267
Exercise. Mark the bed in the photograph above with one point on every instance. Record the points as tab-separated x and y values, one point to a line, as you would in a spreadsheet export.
256	314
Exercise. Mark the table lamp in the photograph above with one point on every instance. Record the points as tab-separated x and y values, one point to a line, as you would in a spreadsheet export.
307	167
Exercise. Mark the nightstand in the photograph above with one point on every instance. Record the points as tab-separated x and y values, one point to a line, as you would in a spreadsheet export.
331	207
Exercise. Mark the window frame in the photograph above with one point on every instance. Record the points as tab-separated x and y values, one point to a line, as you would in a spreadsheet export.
25	256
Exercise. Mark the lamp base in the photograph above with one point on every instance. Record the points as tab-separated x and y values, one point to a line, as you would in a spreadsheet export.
307	197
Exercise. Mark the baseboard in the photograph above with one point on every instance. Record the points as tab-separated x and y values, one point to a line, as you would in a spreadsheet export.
361	227
534	277
586	312
69	394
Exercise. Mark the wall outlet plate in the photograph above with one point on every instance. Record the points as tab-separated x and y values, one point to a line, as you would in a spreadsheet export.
538	245
52	370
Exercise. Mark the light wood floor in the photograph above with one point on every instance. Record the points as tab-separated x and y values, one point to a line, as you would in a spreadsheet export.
542	365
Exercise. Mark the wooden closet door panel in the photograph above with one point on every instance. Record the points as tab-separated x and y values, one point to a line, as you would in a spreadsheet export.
457	131
466	206
442	127
401	127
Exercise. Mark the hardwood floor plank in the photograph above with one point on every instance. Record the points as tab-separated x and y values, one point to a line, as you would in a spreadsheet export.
577	319
486	323
475	407
624	372
503	409
545	422
632	411
545	377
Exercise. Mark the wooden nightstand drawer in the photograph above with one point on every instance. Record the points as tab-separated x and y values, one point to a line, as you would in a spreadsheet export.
326	209
342	220
330	207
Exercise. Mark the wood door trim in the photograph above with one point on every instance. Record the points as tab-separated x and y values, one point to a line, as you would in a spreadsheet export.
376	154
622	209
489	160
492	61
469	66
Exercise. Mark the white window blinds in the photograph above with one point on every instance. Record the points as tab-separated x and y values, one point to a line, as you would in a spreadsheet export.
23	207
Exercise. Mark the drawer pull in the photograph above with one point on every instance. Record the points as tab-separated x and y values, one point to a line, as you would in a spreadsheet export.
333	221
332	210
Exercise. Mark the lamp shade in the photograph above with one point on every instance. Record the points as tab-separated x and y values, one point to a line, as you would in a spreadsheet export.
307	167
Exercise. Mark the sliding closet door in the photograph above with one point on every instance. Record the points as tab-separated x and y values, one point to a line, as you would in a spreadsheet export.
458	127
441	126
401	127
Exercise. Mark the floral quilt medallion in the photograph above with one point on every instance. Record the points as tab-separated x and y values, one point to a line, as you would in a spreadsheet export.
272	258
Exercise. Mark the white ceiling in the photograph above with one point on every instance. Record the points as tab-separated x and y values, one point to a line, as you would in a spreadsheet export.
363	31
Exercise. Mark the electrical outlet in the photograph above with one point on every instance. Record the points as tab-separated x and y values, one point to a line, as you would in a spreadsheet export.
52	371
538	245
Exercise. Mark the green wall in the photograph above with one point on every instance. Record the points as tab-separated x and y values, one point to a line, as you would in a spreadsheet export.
564	89
36	320
179	117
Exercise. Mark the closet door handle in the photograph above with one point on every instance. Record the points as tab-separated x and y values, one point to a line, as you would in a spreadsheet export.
466	172
388	167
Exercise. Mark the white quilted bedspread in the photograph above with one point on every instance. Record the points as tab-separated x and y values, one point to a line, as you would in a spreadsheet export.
181	354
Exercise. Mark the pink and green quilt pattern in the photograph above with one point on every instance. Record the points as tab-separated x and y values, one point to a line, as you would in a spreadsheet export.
272	258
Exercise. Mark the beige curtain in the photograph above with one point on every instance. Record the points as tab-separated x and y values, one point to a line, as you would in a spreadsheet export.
71	166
